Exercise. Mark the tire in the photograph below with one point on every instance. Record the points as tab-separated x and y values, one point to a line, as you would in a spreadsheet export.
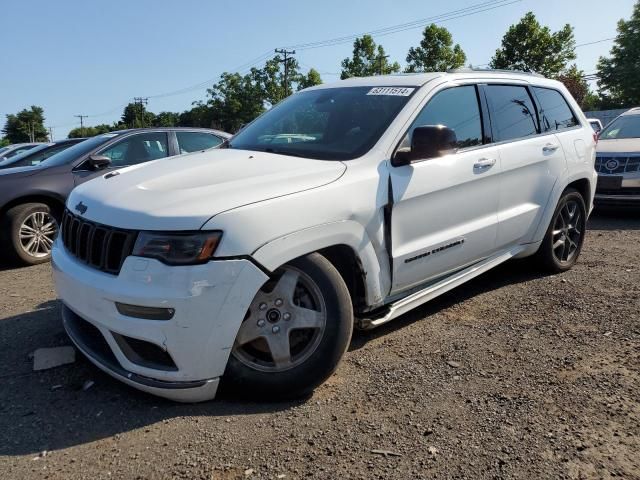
34	219
563	241
312	325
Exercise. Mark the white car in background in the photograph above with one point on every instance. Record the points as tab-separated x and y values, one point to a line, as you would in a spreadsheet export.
347	204
618	161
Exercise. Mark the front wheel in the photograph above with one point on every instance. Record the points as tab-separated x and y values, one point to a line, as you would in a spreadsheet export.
295	332
563	241
29	231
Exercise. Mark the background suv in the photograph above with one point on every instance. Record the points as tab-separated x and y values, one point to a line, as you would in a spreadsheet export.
32	197
345	205
618	161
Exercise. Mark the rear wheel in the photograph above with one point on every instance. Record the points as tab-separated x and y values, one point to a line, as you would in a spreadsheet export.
563	241
296	331
28	232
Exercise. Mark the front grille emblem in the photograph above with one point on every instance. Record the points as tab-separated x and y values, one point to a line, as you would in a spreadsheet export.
612	164
81	207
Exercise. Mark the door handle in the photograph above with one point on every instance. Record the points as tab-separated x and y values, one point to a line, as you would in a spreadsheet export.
484	163
550	148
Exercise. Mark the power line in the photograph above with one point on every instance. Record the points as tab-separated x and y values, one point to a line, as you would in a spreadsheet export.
461	13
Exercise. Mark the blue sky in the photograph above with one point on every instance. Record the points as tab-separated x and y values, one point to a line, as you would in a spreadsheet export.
84	57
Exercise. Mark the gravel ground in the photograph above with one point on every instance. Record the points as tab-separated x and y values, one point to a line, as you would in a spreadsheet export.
514	375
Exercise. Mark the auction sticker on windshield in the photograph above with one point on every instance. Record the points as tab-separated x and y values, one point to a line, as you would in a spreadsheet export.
395	91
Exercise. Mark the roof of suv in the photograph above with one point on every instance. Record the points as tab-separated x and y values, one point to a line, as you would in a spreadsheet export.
419	79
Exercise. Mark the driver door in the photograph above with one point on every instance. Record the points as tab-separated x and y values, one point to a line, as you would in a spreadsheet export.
131	150
444	214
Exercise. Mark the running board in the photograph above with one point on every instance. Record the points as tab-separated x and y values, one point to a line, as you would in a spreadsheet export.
416	299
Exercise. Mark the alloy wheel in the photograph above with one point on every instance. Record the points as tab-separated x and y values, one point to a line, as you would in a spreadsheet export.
284	324
37	233
567	232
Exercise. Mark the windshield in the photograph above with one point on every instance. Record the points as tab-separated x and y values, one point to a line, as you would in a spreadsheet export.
4	149
622	127
77	151
328	124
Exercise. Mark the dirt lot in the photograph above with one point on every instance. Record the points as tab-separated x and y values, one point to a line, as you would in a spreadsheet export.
516	375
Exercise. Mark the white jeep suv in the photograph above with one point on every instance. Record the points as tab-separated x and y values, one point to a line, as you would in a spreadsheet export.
345	205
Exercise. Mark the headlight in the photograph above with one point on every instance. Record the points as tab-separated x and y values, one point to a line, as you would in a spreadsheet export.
177	248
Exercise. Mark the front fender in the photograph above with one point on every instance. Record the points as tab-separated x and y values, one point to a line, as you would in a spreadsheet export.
293	245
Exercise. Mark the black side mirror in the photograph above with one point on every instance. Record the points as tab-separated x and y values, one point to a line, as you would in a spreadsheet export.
428	141
99	162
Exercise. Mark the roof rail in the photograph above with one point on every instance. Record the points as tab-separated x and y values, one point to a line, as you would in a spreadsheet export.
492	70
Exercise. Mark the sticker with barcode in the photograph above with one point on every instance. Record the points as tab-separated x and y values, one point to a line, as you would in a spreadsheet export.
394	91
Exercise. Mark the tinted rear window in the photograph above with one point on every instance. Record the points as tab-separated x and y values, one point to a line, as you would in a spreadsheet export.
512	112
555	112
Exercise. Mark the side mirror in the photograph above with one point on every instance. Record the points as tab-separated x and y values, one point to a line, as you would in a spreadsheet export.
99	162
428	141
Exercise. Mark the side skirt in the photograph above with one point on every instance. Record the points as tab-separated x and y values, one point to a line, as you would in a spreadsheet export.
416	299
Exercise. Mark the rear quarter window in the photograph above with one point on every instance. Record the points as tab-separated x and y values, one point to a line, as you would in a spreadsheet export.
555	113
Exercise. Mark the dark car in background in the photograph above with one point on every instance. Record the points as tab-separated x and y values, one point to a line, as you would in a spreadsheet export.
38	154
32	197
16	149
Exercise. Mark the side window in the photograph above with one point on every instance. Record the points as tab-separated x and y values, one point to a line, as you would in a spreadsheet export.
196	141
42	156
456	108
512	112
555	112
137	149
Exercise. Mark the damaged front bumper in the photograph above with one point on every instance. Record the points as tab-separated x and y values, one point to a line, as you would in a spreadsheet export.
181	356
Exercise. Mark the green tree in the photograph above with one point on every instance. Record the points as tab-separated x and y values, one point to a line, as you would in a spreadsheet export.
436	52
4	141
237	99
26	126
618	84
310	79
573	79
135	115
530	46
271	78
367	59
166	119
86	132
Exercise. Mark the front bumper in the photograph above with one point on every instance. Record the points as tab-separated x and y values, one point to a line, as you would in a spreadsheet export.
209	301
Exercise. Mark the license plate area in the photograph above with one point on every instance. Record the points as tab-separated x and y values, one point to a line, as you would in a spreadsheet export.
609	182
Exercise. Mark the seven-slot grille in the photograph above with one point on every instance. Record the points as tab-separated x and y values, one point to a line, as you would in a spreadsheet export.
101	247
609	165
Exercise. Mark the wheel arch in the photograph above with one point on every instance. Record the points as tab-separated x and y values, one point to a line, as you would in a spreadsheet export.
347	246
54	202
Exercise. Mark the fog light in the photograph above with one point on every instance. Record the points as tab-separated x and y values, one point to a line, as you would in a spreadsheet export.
147	313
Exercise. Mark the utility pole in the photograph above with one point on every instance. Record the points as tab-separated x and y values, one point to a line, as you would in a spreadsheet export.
51	134
142	101
286	54
381	63
81	117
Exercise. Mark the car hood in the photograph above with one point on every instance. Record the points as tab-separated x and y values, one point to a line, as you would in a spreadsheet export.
182	193
623	145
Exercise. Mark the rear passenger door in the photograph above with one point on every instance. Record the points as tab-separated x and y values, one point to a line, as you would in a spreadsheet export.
531	161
